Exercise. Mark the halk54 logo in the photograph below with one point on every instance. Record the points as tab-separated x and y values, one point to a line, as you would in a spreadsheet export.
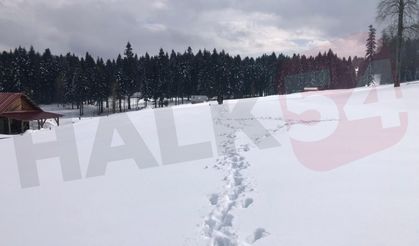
329	129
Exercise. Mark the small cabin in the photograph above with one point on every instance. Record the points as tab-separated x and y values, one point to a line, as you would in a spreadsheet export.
16	112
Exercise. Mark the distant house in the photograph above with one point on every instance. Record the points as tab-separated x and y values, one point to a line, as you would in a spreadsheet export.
299	82
17	110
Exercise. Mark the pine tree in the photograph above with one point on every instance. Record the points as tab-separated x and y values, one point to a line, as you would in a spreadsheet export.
146	77
120	80
371	43
370	53
162	65
130	76
33	74
48	75
188	60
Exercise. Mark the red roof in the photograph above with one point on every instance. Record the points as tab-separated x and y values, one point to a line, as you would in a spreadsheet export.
36	113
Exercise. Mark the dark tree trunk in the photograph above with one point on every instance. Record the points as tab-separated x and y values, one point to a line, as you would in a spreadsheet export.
81	108
400	29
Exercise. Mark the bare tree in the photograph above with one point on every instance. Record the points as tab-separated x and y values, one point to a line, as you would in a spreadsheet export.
402	14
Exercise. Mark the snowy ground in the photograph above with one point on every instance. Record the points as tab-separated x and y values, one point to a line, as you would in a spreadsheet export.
287	194
71	114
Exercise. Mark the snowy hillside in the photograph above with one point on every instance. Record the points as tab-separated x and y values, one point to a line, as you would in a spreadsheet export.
326	168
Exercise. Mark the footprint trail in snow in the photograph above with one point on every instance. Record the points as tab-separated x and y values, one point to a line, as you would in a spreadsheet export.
218	225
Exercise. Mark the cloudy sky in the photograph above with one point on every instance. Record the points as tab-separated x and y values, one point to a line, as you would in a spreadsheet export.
246	27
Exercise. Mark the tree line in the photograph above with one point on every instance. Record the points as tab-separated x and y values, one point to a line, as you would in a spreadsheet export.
70	79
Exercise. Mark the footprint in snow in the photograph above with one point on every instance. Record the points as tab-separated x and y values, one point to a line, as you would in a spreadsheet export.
214	199
247	202
257	235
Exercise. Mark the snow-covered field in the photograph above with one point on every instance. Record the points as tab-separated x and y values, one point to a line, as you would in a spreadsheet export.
71	114
335	175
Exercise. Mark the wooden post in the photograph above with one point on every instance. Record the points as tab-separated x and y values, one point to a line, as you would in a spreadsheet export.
43	121
21	126
10	128
57	120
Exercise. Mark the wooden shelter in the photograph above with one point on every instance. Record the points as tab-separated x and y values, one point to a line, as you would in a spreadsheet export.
17	110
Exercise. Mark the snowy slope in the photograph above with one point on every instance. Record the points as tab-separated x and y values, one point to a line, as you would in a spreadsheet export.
334	174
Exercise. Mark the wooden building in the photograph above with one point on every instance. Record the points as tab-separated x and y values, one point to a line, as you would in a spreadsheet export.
17	110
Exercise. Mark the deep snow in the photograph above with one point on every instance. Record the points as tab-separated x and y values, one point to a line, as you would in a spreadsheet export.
242	196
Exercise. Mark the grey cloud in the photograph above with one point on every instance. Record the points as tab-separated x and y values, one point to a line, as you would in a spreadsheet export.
248	27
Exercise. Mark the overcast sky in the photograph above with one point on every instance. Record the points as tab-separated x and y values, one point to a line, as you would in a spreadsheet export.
245	27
